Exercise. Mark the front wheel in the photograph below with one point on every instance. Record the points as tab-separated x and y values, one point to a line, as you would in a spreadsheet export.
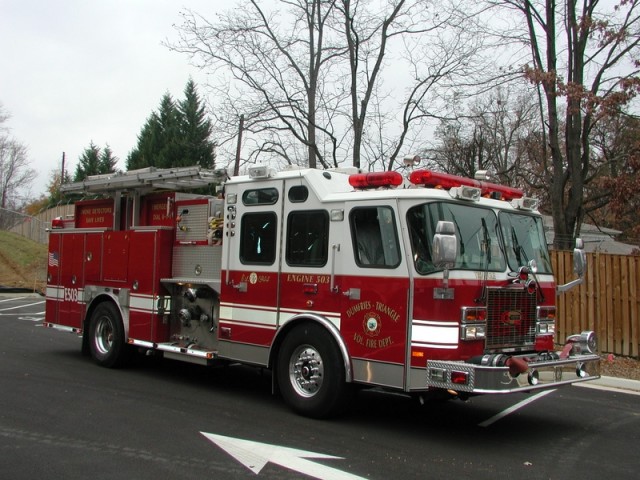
106	336
311	374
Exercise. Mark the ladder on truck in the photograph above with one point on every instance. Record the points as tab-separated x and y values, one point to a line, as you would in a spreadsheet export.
135	183
147	179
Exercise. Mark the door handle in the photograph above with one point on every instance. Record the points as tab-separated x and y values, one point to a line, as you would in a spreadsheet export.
241	287
352	294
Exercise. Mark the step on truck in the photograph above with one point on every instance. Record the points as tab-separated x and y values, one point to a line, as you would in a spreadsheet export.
424	284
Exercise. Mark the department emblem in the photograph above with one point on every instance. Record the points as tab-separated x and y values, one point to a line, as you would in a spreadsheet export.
372	324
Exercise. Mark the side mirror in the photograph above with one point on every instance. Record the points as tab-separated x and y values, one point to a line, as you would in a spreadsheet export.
579	267
445	245
579	258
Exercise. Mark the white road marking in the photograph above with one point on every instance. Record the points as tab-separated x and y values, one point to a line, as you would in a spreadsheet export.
21	306
515	407
11	299
255	456
31	319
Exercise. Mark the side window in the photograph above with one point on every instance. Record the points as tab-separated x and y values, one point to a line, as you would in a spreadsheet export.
298	193
375	241
258	238
307	238
260	196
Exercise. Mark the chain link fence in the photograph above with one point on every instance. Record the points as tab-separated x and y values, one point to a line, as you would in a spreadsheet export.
34	227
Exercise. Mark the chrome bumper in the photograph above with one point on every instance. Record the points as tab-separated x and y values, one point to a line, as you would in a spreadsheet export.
480	379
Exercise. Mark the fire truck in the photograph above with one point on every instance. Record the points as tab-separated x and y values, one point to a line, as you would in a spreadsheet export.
421	283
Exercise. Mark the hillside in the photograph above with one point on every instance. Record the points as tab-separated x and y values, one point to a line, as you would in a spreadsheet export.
23	263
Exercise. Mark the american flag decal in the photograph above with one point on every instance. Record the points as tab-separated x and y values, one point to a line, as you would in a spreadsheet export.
53	259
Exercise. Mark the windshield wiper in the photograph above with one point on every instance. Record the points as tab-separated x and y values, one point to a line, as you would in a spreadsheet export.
487	247
531	268
518	250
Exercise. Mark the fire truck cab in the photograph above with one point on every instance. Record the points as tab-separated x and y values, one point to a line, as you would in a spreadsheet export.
332	279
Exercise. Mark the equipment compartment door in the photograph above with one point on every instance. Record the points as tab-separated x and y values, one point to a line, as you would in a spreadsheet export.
71	308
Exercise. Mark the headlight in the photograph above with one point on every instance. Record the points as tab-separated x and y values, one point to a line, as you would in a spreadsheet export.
545	328
584	343
473	332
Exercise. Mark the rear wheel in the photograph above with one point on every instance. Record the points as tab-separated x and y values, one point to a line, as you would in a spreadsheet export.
311	374
106	336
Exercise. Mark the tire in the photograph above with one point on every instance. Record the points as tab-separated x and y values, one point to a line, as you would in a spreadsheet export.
106	336
311	374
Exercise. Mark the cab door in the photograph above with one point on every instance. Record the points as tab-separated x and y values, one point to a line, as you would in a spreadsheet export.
308	236
374	287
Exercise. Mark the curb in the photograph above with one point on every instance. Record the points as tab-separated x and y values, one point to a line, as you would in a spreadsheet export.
614	383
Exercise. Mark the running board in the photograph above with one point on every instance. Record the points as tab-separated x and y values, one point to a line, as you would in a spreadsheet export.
176	351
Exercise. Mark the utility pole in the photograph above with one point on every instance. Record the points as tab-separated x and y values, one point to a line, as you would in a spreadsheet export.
236	167
62	172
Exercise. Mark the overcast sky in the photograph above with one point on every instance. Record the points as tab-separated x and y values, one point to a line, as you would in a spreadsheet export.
76	71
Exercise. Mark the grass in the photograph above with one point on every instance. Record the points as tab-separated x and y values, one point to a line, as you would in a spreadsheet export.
22	262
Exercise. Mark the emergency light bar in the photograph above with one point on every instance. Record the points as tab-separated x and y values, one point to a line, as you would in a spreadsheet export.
375	180
446	181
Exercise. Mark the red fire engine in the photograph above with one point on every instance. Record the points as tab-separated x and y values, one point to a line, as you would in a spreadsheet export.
332	279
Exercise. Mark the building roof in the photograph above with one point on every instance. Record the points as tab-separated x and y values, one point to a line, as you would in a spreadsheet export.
596	239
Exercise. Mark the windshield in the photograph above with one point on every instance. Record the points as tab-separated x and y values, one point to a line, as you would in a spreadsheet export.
524	241
476	232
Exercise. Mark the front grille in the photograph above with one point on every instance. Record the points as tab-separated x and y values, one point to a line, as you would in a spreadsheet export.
511	318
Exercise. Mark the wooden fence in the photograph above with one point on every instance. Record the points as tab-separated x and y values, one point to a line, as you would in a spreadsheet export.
607	302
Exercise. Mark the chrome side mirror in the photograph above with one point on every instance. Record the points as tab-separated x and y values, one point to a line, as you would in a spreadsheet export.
445	245
579	258
579	267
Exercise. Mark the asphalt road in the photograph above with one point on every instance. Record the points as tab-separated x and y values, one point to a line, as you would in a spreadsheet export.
61	416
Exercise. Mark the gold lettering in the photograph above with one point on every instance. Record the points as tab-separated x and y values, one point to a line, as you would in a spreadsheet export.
358	307
300	278
386	309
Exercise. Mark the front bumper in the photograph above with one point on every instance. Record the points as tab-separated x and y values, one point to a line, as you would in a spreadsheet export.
541	374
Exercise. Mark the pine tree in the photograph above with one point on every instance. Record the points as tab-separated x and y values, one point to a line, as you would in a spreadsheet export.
146	152
175	135
169	152
195	128
108	161
94	161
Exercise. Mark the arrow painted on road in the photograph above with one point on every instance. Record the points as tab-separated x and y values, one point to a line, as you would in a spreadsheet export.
255	455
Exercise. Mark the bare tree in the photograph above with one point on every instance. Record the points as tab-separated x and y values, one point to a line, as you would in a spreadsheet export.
15	173
276	60
306	75
426	51
492	134
583	61
614	196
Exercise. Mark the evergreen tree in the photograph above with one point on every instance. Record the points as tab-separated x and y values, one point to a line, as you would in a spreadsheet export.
145	153
196	128
169	140
175	135
108	161
95	161
158	141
